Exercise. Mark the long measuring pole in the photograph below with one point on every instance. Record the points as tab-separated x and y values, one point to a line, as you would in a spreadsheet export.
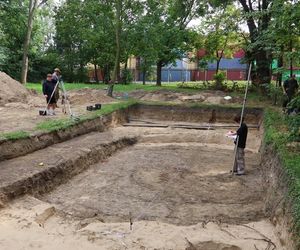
242	115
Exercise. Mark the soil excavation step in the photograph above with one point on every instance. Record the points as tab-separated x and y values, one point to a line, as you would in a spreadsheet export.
170	183
173	184
45	169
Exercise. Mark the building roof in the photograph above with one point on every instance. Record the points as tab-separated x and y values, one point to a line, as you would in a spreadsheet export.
234	63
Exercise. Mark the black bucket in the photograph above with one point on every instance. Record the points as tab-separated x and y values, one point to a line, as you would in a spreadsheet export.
97	106
42	112
89	108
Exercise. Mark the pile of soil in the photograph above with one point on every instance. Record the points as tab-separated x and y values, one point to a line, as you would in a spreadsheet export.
11	90
87	95
212	97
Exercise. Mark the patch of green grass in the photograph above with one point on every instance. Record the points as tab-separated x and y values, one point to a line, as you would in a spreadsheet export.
117	87
55	125
61	124
16	135
107	109
277	134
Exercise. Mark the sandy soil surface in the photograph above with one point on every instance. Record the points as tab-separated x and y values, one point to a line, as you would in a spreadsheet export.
19	107
25	116
32	224
173	185
208	96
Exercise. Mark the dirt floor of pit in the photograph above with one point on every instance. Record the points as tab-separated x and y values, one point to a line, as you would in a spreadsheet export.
175	184
186	183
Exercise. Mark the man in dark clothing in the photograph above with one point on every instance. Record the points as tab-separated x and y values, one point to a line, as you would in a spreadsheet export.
48	91
56	77
290	88
241	133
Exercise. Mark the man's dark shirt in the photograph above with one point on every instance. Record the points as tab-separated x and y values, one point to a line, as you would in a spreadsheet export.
286	84
48	87
291	87
242	133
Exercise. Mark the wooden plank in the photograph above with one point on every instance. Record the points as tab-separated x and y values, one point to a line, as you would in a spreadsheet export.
145	125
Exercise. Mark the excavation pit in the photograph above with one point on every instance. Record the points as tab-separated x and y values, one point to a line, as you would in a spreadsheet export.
176	176
171	189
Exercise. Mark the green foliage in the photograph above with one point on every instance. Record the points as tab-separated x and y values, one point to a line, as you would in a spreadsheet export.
295	103
294	127
55	125
219	80
275	93
126	76
17	135
13	26
294	119
61	124
278	135
191	85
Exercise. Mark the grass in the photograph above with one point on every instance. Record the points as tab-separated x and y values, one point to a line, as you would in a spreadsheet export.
278	135
176	86
118	87
61	124
16	135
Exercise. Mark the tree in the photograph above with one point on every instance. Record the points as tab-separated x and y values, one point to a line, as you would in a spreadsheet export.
257	15
125	15
13	29
118	27
33	5
221	30
283	34
174	39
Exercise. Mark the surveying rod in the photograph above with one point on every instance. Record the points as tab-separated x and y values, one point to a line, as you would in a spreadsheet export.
241	119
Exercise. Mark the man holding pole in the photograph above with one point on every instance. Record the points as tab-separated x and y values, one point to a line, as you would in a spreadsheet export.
240	141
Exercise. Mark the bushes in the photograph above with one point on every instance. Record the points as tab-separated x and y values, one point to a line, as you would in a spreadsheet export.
189	85
279	132
219	80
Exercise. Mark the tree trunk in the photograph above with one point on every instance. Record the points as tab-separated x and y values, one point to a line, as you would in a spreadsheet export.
96	73
218	65
291	59
144	71
158	73
144	77
280	65
26	45
263	73
125	73
116	69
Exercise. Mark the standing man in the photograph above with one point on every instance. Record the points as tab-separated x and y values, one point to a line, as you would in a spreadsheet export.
48	91
241	133
290	88
56	76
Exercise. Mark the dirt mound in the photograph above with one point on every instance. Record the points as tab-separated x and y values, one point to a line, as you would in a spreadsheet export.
211	97
11	90
87	95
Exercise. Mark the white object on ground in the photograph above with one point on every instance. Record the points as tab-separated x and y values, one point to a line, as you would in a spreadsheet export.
227	97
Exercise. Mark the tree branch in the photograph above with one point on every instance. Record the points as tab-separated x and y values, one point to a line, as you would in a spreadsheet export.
42	3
